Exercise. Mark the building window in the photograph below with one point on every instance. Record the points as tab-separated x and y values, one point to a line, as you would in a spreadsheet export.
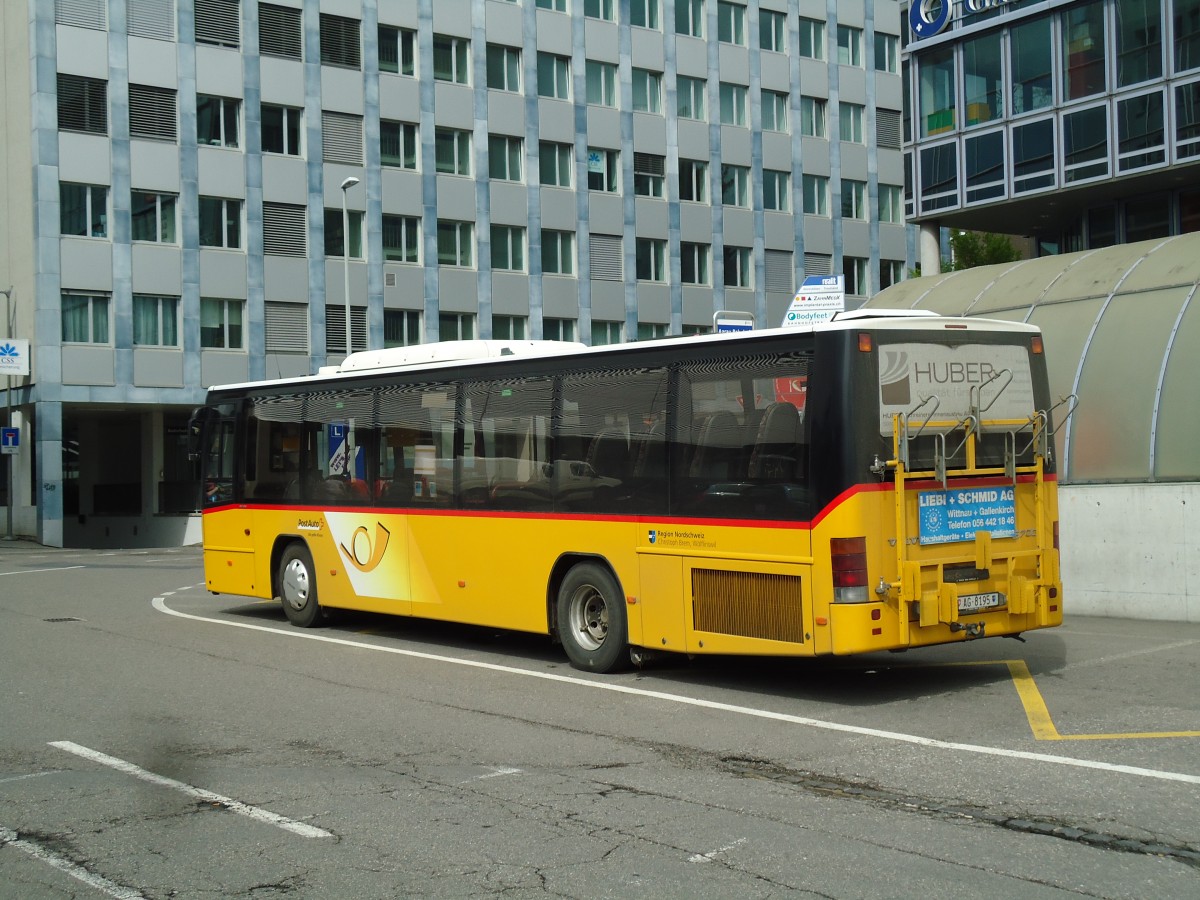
556	5
1032	156
558	252
772	31
83	209
221	323
733	104
735	185
983	80
81	14
689	17
153	217
812	38
555	163
812	117
604	333
854	199
508	248
508	328
1031	55
850	42
603	170
503	68
731	23
401	328
455	243
335	328
606	258
983	155
936	91
155	321
82	104
218	22
645	14
1187	119
340	43
777	190
816	195
152	113
554	76
335	242
693	180
774	111
1085	144
401	239
284	229
651	259
890	209
737	267
649	174
939	177
778	271
1083	49
217	120
85	318
891	271
857	272
342	138
280	31
1141	134
456	327
285	327
694	262
887	53
601	83
558	329
281	129
1186	33
397	50
598	9
850	122
148	18
647	91
651	331
220	223
690	98
451	59
452	151
398	144
504	157
887	129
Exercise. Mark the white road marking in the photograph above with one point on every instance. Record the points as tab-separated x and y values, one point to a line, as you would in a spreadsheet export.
35	571
713	854
617	688
496	772
9	838
30	775
252	812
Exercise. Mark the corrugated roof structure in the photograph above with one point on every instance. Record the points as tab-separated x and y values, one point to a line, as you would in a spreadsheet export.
1122	333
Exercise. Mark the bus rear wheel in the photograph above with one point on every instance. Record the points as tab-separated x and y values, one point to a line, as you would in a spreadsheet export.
298	586
591	619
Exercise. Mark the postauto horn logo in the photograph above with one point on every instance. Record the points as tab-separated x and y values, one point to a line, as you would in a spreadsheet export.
929	17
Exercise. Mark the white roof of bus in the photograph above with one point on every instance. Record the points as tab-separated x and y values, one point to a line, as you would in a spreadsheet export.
447	354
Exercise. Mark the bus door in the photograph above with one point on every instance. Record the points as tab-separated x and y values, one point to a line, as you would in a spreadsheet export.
228	539
976	520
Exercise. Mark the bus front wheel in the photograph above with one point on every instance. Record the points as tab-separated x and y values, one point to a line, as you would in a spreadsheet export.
298	586
591	619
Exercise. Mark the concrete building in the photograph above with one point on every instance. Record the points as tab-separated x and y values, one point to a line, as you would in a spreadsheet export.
180	178
1074	122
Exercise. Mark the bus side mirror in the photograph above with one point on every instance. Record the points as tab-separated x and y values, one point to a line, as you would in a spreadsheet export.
198	425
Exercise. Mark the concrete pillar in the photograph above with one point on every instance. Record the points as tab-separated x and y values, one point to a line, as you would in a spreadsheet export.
930	248
50	473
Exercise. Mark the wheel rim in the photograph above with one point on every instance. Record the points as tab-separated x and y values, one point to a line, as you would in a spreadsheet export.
587	617
295	585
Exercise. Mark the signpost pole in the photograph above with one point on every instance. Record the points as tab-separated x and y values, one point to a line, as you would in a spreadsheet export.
8	481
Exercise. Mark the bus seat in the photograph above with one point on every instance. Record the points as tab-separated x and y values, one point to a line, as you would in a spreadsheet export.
651	461
717	448
776	447
608	454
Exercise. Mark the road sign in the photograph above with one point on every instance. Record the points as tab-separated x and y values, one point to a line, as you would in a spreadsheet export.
14	357
817	301
10	441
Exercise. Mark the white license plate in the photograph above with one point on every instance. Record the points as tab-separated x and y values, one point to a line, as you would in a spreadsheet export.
976	602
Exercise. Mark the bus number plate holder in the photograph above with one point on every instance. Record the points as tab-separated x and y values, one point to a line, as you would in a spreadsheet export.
969	603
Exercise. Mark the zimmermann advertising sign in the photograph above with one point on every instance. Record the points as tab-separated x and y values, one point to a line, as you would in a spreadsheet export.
14	357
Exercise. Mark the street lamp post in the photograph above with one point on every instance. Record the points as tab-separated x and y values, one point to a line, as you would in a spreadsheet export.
346	185
8	481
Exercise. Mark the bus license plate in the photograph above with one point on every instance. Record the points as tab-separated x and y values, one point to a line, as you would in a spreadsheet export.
976	602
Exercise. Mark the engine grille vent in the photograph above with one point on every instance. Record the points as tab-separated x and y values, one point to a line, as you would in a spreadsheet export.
747	604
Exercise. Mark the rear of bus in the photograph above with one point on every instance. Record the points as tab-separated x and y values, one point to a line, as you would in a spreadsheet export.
944	526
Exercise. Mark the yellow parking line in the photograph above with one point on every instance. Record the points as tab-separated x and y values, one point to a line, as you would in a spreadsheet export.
1036	711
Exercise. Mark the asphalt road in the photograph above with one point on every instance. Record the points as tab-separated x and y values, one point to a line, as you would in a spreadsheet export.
157	741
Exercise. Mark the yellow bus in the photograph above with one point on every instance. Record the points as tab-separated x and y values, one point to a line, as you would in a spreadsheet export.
878	482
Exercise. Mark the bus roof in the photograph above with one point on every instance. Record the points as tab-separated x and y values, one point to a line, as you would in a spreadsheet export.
449	354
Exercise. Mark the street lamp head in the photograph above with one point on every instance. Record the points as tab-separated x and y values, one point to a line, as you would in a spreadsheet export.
349	183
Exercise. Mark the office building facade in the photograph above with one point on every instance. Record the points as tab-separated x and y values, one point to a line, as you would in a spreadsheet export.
205	191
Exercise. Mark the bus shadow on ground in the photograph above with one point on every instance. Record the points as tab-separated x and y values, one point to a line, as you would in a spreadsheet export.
865	680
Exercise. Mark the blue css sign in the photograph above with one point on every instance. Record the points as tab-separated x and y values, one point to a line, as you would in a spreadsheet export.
929	17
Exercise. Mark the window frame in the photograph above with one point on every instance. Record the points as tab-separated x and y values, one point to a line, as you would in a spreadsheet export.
458	140
512	155
456	50
229	117
410	242
227	307
508	248
95	316
734	104
563	244
166	227
89	208
166	310
462	254
227	224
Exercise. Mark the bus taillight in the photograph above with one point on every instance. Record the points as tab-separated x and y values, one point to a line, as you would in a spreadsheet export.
849	558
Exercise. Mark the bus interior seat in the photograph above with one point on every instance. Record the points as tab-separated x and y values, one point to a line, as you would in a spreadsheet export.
718	446
776	453
608	454
651	461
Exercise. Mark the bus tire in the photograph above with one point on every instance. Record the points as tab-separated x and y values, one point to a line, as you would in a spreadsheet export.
298	586
592	622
